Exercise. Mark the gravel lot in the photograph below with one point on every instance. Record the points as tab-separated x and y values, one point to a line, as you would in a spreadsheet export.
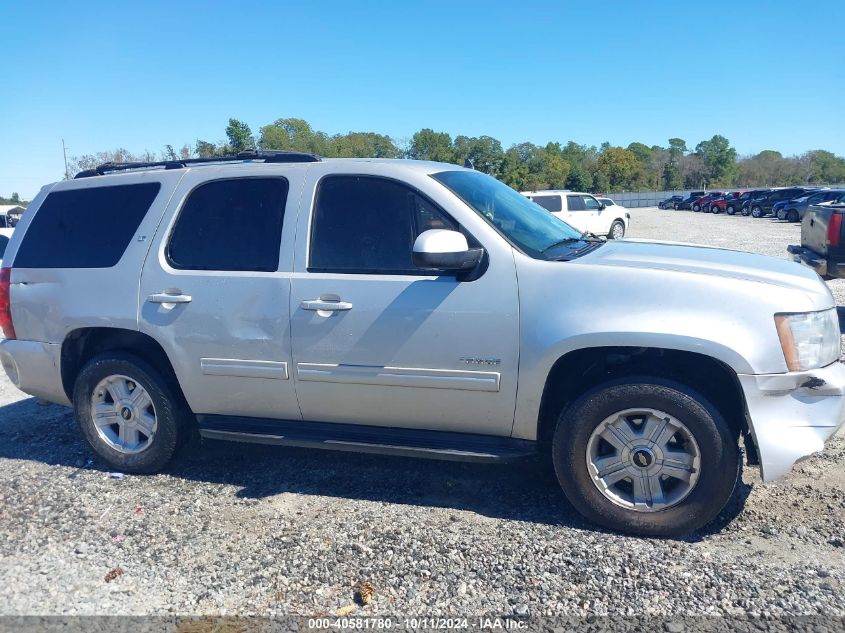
243	529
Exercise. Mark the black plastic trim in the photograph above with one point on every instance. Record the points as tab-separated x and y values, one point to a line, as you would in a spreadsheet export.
366	439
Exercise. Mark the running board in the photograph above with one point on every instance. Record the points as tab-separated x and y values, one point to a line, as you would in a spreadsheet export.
366	439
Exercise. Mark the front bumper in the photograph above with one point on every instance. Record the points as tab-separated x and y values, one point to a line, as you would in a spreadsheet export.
34	368
821	265
792	415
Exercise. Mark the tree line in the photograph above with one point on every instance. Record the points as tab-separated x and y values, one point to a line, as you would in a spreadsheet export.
711	163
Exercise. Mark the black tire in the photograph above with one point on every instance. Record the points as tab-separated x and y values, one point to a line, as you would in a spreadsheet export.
744	212
792	215
676	206
756	212
696	208
718	445
620	225
730	210
172	415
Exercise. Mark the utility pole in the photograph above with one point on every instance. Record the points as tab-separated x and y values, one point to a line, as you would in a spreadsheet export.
64	151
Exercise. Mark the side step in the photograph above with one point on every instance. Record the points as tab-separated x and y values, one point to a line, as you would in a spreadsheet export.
366	439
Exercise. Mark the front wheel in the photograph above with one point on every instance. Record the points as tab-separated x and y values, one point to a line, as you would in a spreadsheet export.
128	413
696	208
792	215
756	212
729	210
646	456
617	230
744	212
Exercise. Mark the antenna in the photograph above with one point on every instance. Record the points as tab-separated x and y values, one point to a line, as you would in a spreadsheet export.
64	152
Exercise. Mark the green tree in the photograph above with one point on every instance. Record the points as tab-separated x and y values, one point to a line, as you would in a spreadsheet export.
240	136
485	152
514	171
204	149
825	167
294	135
619	165
579	179
719	160
430	145
15	199
363	145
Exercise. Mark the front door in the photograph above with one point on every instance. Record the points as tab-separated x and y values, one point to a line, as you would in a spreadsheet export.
378	342
584	213
215	291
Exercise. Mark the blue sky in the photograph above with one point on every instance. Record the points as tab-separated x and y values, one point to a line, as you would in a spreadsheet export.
768	75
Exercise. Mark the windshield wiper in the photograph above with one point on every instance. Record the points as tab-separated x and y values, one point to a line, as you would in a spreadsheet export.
563	242
592	237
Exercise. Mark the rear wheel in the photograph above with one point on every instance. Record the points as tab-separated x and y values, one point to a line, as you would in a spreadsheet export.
617	230
647	456
128	413
696	208
744	211
730	210
792	215
756	212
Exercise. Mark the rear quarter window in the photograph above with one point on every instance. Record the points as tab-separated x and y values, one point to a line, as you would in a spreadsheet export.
85	228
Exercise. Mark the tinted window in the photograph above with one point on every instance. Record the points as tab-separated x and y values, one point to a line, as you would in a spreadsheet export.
576	203
590	202
230	225
4	242
549	203
85	228
369	224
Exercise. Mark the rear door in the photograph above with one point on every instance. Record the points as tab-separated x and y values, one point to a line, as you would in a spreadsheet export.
216	287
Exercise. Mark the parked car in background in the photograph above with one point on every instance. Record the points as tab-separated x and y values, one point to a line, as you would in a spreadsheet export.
670	202
721	203
762	206
584	211
699	204
752	198
822	245
5	236
415	309
686	203
793	210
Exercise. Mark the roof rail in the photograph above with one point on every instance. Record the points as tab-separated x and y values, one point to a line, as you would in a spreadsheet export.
248	155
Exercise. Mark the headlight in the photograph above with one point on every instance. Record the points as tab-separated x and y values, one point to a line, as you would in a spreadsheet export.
809	339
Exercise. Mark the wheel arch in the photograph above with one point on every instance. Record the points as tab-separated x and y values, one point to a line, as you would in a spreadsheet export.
84	343
582	369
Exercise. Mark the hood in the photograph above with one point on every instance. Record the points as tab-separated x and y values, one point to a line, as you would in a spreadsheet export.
706	260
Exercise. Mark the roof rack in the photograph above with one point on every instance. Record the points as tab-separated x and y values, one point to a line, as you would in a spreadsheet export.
248	155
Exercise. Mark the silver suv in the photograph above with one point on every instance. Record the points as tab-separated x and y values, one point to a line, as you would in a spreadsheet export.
419	309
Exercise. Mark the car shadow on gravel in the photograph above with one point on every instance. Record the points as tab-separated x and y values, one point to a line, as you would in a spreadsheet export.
524	490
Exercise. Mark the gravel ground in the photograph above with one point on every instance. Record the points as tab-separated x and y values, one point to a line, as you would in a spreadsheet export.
237	529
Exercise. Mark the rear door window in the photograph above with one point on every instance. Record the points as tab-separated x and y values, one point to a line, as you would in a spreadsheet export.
85	228
552	204
4	242
576	203
230	225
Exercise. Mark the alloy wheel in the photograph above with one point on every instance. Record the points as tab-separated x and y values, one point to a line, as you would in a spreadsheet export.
643	459
123	414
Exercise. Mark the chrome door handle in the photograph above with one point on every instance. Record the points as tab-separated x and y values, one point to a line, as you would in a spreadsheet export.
327	306
166	297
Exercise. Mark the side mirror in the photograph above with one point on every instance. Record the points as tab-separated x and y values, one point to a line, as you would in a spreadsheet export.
445	250
602	206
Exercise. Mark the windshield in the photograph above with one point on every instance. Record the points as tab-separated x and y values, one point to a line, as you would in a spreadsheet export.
526	225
